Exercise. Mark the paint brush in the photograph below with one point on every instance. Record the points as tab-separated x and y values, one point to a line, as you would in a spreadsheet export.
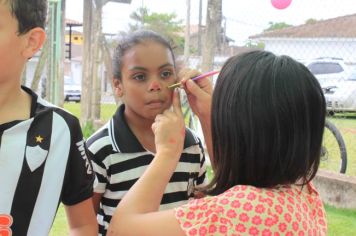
195	78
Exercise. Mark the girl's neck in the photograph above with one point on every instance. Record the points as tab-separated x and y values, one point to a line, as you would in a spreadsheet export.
141	128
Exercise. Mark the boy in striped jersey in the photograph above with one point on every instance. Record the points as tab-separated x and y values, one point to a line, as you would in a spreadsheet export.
42	154
144	67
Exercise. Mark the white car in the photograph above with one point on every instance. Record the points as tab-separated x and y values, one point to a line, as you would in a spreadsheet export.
72	90
328	70
342	95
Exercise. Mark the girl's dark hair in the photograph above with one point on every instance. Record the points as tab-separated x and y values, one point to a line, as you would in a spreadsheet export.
29	13
131	40
268	115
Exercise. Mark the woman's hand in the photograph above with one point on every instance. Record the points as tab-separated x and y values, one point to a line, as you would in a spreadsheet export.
169	129
199	92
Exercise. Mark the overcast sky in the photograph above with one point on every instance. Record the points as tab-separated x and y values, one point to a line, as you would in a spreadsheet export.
243	17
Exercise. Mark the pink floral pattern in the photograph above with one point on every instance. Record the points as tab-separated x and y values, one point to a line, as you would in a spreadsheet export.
246	210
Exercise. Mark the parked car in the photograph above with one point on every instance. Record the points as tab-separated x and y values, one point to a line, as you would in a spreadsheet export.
328	70
72	90
342	96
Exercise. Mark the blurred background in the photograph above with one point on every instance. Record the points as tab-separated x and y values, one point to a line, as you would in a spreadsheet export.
73	70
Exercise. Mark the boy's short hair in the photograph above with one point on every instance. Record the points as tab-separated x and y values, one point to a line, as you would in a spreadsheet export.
29	13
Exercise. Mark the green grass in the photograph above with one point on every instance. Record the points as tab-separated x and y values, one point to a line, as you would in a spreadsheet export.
60	227
341	222
107	110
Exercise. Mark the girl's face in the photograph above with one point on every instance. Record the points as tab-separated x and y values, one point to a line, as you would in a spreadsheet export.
147	69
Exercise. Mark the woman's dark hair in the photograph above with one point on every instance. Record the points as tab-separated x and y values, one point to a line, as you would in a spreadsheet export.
131	40
29	13
268	115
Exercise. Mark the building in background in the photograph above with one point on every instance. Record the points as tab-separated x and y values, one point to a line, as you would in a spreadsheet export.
334	37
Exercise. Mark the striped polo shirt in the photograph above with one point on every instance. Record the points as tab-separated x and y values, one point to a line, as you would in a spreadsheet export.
42	162
119	160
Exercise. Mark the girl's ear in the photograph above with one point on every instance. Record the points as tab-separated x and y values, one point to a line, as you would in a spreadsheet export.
118	87
34	40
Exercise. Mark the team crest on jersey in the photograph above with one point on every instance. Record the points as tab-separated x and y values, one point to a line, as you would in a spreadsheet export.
35	156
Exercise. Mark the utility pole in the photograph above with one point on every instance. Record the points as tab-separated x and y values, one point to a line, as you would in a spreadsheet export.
55	50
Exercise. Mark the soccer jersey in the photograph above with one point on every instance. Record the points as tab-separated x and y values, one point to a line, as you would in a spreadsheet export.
42	162
119	160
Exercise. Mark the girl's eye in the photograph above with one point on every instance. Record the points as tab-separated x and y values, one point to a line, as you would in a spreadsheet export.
166	74
139	77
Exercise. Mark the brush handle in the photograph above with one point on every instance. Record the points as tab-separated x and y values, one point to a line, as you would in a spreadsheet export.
205	75
195	78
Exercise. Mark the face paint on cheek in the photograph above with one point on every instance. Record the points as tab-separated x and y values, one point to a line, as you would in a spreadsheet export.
172	140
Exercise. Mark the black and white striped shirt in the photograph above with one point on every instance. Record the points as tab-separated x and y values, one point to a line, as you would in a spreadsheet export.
42	162
119	160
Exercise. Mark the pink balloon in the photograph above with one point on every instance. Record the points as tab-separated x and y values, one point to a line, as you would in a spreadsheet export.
281	4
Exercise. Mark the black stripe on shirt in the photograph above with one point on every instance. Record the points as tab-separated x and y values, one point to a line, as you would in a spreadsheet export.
174	197
101	154
131	164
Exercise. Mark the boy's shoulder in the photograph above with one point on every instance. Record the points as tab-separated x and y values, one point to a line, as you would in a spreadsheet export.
44	106
41	107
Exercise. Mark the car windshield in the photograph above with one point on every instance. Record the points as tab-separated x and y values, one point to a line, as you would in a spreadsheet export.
325	68
69	81
352	75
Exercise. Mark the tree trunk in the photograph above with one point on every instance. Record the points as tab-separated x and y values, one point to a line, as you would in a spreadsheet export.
187	36
200	26
86	68
212	33
108	65
96	61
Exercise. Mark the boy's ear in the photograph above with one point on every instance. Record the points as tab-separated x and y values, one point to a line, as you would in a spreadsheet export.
118	88
34	41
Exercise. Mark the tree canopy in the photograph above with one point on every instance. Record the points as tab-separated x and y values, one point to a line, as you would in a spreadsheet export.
165	24
276	26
